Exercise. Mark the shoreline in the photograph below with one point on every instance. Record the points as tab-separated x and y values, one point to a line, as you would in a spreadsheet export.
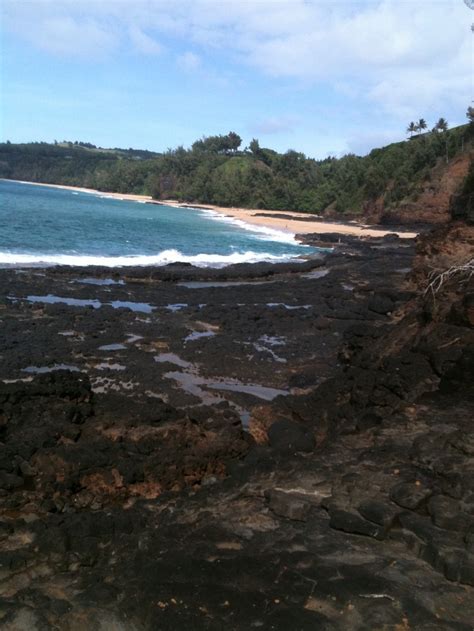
165	427
250	216
91	191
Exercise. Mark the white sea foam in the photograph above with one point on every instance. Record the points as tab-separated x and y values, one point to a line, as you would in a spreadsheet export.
262	232
162	258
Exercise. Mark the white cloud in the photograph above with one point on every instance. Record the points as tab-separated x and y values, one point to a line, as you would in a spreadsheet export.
274	125
189	61
397	55
68	36
393	50
143	43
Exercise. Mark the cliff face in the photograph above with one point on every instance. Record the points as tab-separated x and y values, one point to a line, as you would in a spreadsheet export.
432	203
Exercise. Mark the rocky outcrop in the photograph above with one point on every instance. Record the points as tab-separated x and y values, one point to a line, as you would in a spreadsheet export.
429	339
131	498
62	452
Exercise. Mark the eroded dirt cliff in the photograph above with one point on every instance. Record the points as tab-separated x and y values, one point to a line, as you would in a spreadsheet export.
431	203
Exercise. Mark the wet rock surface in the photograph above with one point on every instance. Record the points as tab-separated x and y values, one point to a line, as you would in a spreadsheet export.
270	446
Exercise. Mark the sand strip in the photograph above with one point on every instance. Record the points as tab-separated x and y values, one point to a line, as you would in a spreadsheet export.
294	226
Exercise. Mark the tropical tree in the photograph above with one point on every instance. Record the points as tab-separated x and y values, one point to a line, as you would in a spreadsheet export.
470	114
441	125
411	129
254	146
218	144
421	124
233	141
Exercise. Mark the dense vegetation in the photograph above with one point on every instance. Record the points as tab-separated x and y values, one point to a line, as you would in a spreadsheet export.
215	170
462	206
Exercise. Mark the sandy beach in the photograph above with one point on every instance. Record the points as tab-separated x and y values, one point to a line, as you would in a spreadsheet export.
299	225
257	217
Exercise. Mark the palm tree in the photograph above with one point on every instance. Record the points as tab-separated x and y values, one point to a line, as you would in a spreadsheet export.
421	124
411	129
441	125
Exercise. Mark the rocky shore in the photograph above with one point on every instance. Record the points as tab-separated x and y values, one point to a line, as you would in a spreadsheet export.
261	446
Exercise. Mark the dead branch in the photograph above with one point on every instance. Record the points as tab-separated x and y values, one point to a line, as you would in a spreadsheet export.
462	273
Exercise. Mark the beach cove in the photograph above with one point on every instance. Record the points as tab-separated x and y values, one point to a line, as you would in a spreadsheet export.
45	225
289	222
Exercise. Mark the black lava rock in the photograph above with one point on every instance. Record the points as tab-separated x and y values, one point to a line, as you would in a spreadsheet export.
288	505
353	524
286	436
409	495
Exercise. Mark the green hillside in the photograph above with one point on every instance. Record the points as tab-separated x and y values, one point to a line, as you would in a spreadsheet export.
216	171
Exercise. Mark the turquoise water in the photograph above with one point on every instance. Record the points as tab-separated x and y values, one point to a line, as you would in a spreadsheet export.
45	225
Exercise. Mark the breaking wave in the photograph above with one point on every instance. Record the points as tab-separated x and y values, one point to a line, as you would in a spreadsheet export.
162	258
260	232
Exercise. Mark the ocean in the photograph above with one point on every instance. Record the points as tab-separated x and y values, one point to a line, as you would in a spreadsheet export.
41	225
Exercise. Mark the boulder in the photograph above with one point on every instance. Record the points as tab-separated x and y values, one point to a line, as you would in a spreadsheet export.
354	524
288	437
446	513
288	505
409	494
378	512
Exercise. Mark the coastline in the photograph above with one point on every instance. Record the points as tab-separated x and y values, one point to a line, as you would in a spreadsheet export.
251	216
92	191
164	427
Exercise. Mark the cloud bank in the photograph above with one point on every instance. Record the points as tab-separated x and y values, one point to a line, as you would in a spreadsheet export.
405	58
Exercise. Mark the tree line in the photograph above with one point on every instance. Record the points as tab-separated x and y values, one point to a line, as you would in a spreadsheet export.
421	126
440	126
217	170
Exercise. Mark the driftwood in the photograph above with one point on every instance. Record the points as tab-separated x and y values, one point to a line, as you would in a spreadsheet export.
462	273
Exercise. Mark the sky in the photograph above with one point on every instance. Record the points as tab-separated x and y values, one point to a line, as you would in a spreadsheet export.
325	77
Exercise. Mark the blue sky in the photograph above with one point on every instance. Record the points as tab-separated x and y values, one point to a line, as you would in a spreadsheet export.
323	77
